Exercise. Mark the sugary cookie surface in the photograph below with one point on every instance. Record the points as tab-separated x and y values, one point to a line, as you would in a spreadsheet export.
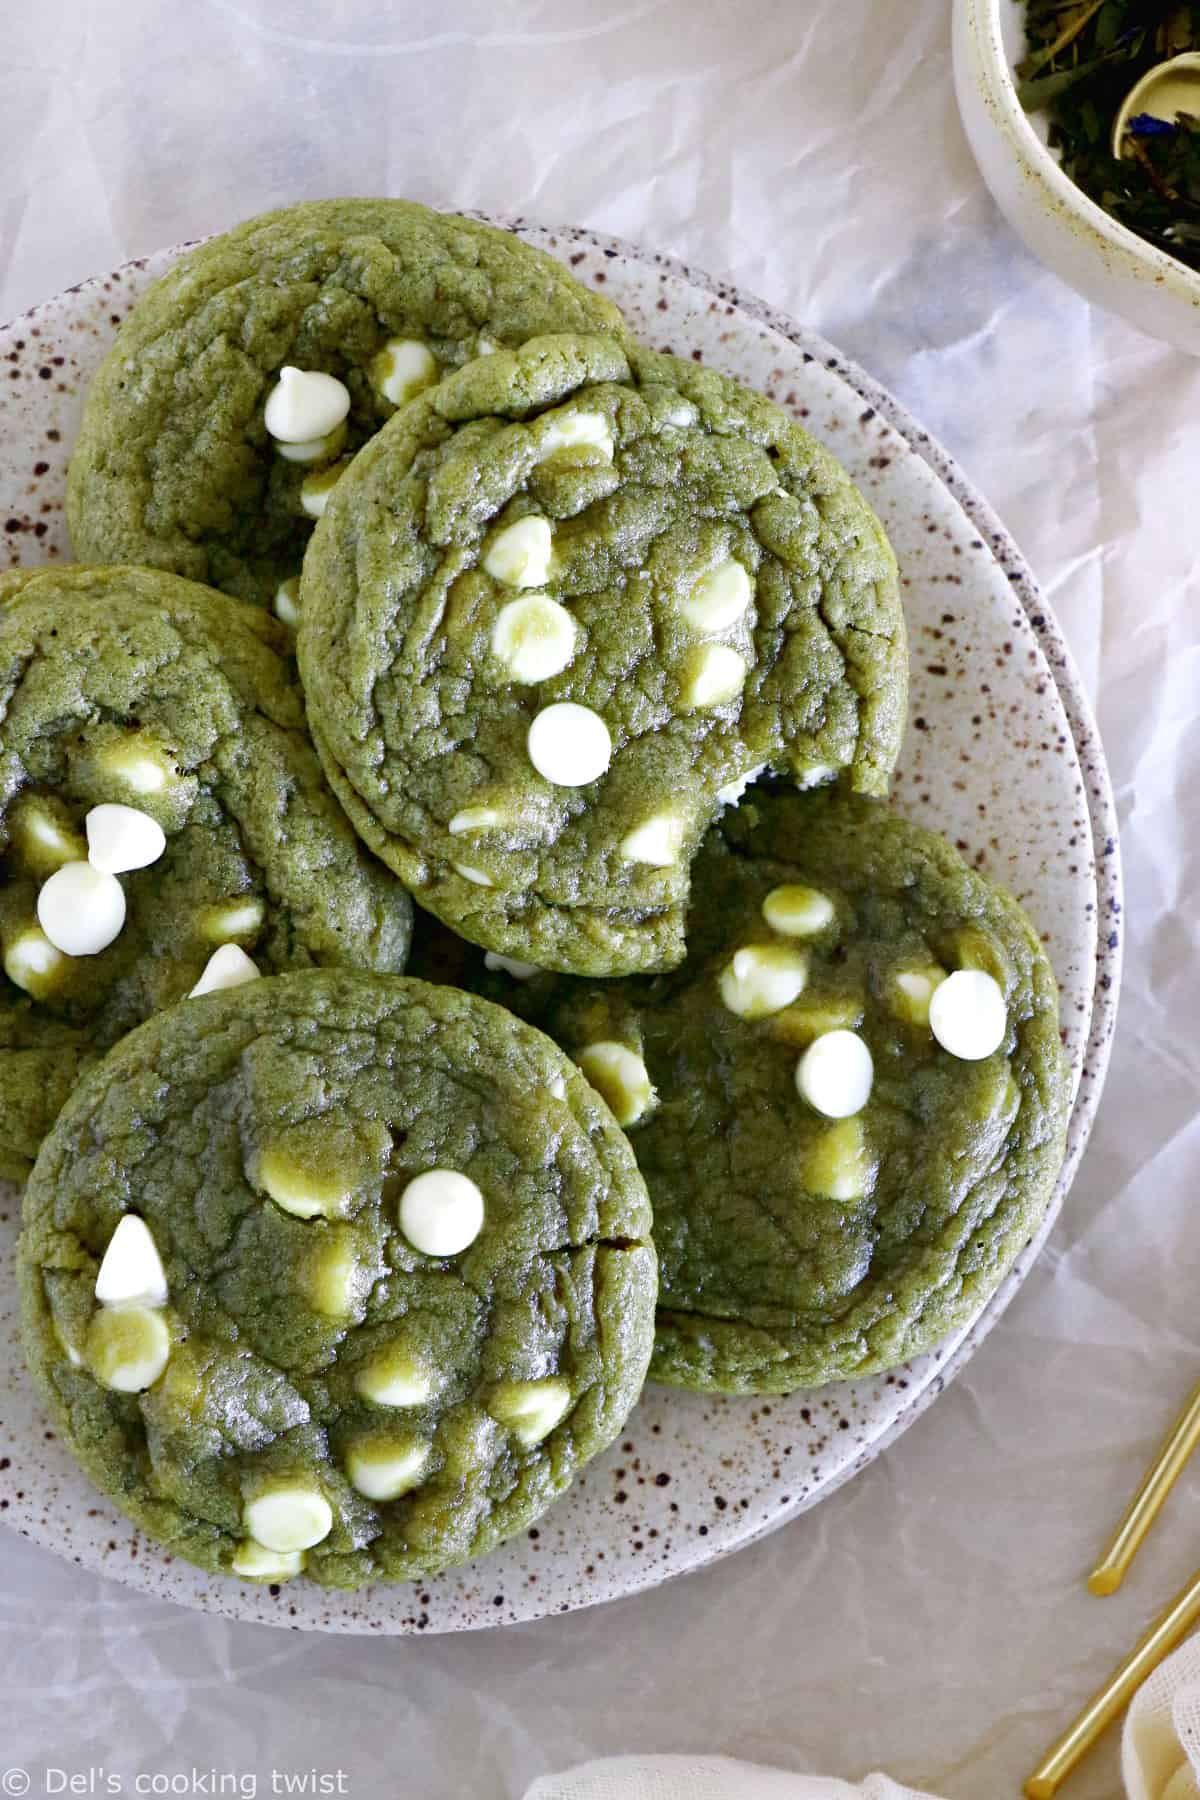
245	377
164	825
559	611
337	1273
849	1105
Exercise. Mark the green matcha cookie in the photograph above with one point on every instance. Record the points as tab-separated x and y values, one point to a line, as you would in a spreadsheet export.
163	823
336	1272
849	1105
175	466
562	609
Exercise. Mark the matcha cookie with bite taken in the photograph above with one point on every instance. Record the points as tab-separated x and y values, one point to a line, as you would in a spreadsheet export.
559	611
336	1274
164	825
849	1104
242	382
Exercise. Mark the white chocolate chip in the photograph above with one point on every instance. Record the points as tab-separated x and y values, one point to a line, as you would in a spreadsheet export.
569	745
620	1076
43	841
732	792
131	1271
714	674
288	1518
231	919
139	763
485	347
719	598
316	489
81	909
575	431
510	965
762	979
312	449
404	367
127	1348
391	1378
477	877
287	601
976	949
968	1016
534	638
474	818
812	1018
32	961
557	1087
441	1212
530	1409
228	967
254	1562
301	1189
384	1471
333	1282
912	990
519	554
305	404
796	911
835	1074
121	838
838	1166
680	414
657	841
816	775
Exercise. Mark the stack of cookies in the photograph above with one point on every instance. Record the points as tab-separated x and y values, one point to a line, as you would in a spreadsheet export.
406	575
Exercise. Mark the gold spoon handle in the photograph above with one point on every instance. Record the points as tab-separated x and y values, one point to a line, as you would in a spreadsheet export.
1117	1691
1142	1510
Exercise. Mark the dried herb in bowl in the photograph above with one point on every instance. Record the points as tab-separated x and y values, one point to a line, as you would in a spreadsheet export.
1084	56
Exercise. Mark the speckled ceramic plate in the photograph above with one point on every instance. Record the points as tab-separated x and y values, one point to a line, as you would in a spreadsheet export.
1002	755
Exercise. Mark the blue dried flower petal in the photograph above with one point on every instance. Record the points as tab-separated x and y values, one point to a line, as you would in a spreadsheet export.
1146	125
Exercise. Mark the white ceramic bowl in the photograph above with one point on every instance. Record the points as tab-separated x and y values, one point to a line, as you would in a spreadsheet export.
1106	262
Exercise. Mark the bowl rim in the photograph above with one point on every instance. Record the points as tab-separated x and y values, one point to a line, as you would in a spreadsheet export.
1143	259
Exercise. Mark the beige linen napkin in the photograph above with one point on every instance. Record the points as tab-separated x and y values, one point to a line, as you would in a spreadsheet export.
1160	1750
1160	1759
704	1778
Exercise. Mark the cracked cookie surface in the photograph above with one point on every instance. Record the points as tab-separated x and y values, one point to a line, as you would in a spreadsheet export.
133	689
561	607
834	1191
422	1405
174	466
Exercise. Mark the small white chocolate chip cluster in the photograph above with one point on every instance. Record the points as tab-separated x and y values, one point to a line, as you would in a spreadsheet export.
286	1517
717	603
128	1346
306	412
128	1342
440	1213
306	415
965	1012
81	906
534	637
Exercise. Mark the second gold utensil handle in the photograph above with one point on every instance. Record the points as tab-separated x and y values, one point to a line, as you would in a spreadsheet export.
1140	1514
